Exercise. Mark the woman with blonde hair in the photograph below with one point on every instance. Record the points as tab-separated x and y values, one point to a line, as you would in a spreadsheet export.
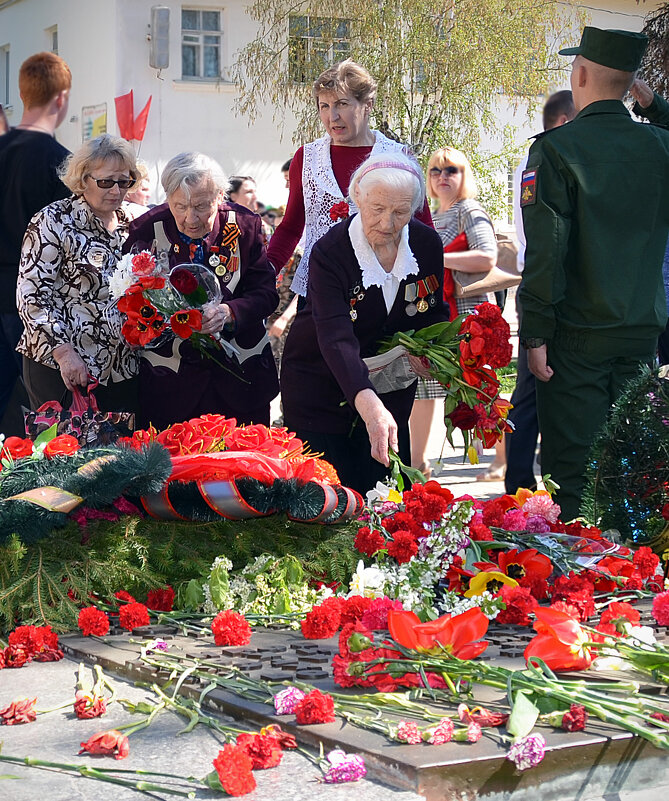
451	182
69	251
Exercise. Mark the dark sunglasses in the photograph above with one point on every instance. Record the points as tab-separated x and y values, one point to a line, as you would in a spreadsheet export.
107	183
435	172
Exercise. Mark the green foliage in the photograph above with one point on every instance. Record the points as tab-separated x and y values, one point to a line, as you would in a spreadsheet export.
628	475
440	68
137	554
98	475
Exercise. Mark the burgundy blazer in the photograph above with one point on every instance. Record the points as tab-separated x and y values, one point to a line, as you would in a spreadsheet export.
254	381
322	369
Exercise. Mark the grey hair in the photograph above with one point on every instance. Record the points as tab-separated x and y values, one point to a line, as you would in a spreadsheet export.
188	169
103	148
406	175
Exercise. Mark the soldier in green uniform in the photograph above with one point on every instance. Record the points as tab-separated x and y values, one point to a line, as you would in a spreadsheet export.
595	203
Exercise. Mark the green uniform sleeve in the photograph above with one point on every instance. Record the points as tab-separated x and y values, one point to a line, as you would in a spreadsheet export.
547	221
657	112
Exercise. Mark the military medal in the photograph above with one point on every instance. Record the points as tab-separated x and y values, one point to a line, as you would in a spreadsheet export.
214	259
422	305
176	248
354	314
355	294
220	269
410	295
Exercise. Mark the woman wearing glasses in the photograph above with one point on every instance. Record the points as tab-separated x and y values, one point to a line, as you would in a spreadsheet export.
69	251
450	181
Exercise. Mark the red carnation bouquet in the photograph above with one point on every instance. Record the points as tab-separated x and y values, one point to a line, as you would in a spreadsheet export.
463	355
157	302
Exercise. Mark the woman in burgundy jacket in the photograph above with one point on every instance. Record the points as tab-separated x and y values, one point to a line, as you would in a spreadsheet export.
370	276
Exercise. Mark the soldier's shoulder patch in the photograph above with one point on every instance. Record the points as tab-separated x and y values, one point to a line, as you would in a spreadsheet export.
528	187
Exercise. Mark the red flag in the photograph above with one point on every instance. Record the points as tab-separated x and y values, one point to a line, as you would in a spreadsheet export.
125	115
141	119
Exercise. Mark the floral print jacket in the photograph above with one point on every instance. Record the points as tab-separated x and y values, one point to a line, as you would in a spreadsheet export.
63	289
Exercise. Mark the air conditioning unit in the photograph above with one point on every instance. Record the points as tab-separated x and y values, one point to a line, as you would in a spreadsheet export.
159	38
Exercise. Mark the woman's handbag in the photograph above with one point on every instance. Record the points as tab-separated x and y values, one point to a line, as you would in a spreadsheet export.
82	420
503	276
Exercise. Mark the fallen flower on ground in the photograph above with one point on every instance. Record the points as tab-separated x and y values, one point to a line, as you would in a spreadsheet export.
286	701
233	772
316	707
19	712
344	767
107	743
527	752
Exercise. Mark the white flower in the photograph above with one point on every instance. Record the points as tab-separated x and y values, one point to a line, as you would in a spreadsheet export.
644	634
367	581
382	492
609	663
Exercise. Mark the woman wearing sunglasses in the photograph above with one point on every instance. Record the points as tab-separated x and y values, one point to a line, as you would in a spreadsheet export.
69	251
450	181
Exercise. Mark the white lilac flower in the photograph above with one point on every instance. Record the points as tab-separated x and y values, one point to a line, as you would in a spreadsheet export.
528	751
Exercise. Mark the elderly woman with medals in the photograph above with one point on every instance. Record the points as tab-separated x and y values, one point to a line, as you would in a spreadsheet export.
376	273
177	382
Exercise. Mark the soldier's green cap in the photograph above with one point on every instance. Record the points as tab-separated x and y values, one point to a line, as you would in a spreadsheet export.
619	50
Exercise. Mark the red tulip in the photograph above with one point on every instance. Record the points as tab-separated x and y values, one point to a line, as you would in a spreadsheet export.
519	564
459	635
559	641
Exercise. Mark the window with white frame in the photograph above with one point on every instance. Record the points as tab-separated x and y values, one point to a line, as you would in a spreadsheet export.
201	43
4	75
315	43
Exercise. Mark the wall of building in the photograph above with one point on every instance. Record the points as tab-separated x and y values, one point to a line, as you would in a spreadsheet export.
105	43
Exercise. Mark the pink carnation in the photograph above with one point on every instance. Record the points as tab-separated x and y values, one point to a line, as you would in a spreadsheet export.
540	504
408	732
375	617
661	608
537	524
514	520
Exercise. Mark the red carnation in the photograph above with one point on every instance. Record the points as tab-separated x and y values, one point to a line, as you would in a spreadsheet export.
122	595
87	706
316	707
405	522
15	656
376	617
575	719
161	600
230	628
36	641
93	621
143	263
427	502
479	532
233	768
403	546
264	750
354	608
645	561
369	541
19	712
339	211
321	622
107	743
520	603
132	616
661	608
620	610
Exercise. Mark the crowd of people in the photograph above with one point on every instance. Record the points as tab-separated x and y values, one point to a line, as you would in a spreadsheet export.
354	257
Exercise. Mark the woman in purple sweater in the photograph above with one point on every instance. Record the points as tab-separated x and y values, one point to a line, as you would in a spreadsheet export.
370	276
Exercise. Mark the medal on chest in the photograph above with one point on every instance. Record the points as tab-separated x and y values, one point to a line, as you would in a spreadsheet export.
355	294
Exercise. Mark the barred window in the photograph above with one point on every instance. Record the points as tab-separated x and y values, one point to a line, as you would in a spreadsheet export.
201	37
315	43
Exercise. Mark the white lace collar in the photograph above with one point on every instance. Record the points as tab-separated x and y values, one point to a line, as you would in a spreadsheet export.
373	273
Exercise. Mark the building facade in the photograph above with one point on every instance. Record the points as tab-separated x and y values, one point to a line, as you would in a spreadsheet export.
110	46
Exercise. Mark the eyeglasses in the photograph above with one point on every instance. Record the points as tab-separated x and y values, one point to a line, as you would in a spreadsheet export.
107	183
435	172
